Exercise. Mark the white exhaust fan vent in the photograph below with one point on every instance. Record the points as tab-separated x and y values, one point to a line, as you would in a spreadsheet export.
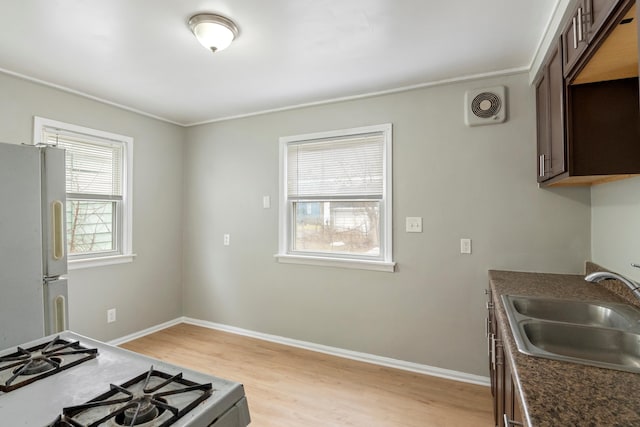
486	106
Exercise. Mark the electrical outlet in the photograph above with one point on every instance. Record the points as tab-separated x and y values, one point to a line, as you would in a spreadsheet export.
111	315
465	246
226	240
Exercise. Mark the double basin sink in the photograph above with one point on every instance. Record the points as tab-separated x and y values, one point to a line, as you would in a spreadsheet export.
601	334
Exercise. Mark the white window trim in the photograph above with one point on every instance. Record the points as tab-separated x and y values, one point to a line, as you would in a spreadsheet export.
386	263
126	255
78	264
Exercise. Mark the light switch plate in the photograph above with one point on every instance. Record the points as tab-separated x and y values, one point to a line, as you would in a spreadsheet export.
266	202
414	224
465	246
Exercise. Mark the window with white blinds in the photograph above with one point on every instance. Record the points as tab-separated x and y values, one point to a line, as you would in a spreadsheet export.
335	205
97	209
348	167
94	169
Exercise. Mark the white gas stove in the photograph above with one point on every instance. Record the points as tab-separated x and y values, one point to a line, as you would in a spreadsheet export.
68	380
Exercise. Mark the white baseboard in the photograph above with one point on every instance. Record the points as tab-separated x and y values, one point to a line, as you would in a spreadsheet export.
333	351
147	331
348	354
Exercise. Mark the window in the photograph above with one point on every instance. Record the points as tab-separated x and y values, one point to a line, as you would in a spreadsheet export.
98	210
335	198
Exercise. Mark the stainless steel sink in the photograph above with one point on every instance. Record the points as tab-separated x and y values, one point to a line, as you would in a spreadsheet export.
609	315
594	333
610	348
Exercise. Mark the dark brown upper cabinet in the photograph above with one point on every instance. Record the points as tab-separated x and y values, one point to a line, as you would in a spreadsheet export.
598	12
588	104
615	53
582	28
550	112
574	37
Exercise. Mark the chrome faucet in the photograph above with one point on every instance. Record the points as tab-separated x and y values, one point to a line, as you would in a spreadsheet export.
605	275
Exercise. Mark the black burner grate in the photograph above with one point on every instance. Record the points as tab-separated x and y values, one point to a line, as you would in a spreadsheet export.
28	365
136	402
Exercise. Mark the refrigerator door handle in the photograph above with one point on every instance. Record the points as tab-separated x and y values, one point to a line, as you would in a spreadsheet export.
55	305
58	229
60	313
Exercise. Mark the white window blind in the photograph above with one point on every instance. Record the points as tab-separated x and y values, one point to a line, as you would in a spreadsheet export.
351	167
93	168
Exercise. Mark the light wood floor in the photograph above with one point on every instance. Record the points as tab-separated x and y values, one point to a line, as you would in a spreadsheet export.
287	386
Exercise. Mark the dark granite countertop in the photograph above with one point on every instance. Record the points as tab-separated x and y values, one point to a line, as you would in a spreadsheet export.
557	393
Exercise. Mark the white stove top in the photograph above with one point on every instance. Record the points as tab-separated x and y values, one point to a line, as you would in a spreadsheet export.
41	402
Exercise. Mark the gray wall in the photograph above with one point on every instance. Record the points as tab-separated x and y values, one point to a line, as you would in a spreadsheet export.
148	291
465	182
615	226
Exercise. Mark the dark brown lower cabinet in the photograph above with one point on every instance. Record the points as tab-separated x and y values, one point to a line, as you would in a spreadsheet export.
506	398
512	415
491	331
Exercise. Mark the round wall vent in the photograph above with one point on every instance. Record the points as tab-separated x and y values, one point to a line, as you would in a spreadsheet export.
486	105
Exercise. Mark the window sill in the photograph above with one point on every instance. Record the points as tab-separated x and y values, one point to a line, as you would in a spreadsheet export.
359	264
78	264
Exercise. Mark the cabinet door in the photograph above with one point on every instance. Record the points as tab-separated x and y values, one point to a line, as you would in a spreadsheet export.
550	114
542	114
491	339
597	13
574	37
557	140
517	415
499	398
490	342
512	414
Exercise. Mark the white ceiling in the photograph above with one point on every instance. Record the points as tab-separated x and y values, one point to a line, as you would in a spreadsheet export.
140	54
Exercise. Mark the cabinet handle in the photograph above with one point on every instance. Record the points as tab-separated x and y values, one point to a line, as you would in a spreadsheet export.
492	350
508	422
541	165
487	327
488	341
575	34
580	28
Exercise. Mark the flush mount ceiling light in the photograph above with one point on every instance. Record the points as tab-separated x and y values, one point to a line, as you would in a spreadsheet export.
213	31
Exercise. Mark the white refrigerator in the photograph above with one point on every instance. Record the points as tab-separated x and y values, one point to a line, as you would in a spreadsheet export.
33	261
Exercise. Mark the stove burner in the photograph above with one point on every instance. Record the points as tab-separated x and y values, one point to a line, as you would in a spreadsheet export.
38	365
153	396
28	365
142	412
